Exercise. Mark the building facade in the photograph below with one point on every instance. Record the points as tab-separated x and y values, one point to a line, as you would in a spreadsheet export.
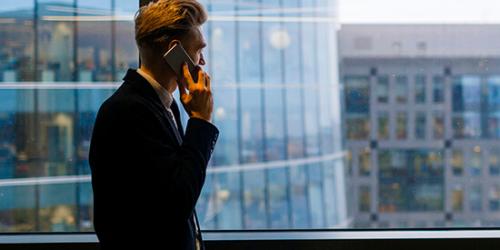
421	124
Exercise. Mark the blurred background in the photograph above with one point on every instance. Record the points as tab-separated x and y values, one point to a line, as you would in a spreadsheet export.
333	114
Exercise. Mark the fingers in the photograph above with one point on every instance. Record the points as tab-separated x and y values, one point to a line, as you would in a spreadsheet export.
208	82
187	75
201	76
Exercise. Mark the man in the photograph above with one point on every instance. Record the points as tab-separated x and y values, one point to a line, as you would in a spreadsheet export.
147	174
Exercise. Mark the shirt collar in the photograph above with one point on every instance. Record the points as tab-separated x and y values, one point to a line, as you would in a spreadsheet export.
165	96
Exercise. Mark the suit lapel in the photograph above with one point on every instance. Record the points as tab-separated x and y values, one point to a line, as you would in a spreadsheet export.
146	90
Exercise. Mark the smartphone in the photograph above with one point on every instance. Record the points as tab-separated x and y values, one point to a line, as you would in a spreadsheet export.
175	57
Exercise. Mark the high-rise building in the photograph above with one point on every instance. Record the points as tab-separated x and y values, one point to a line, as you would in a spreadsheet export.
421	124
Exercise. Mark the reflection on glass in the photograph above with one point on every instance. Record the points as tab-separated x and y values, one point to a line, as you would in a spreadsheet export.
52	62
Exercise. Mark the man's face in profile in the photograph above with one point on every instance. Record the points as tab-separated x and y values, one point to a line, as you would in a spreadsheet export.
194	43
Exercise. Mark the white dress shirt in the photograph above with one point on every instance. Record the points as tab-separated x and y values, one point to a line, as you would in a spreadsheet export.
165	97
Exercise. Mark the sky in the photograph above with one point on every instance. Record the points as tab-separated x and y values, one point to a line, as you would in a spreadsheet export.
419	11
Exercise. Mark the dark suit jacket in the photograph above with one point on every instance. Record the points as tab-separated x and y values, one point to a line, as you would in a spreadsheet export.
146	175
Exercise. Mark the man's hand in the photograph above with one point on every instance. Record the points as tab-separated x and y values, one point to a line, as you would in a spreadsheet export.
198	102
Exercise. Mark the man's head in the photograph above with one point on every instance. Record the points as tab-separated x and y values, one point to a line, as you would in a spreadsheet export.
161	24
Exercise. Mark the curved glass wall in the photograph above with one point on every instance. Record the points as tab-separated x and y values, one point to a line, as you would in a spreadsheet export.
278	161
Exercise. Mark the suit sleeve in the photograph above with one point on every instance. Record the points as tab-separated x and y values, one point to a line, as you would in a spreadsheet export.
183	168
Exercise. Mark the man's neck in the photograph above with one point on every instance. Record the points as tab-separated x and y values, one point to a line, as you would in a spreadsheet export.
170	86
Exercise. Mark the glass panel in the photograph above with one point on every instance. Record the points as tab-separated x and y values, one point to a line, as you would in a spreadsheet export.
364	162
364	198
276	107
494	154
457	162
401	90
438	125
420	88
293	101
475	161
494	198
420	125
58	61
434	143
382	89
475	197
457	199
383	126
438	89
401	126
357	90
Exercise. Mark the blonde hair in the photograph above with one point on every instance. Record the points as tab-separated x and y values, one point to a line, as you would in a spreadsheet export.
163	19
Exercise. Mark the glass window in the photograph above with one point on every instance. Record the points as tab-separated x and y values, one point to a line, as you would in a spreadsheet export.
364	162
401	89
349	162
438	125
419	172
364	198
494	154
420	125
382	90
292	93
251	122
358	127
494	198
457	162
475	161
467	125
383	125
438	89
420	89
466	93
475	198
357	91
457	199
401	125
493	106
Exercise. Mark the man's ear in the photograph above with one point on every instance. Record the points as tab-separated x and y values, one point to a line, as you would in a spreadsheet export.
172	43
